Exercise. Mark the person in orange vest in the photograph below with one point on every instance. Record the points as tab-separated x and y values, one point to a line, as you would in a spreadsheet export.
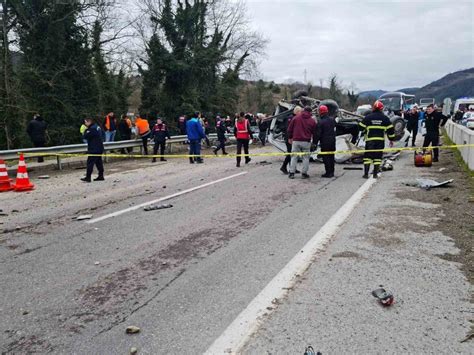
143	129
110	127
243	134
160	133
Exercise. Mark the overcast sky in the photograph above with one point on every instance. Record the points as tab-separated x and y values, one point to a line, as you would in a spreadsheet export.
381	44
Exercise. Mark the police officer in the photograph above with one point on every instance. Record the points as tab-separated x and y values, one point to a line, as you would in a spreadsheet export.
375	126
326	134
95	145
221	131
159	133
433	120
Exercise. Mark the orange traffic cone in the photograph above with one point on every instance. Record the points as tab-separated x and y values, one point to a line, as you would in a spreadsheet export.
5	182
22	181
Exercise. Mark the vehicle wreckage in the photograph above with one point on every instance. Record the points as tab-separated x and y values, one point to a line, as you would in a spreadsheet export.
349	141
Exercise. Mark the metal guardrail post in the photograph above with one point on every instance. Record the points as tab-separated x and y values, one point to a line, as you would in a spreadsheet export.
58	160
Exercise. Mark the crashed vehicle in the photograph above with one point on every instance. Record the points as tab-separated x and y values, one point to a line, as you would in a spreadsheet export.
348	138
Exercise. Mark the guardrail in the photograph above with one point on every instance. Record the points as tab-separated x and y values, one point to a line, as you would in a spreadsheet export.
82	148
462	135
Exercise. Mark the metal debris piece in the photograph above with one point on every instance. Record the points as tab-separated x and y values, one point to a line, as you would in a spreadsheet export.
133	351
132	329
384	297
44	177
352	168
157	207
428	183
310	351
97	263
83	217
442	169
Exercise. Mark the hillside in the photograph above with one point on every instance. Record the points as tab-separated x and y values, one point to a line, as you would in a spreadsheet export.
453	85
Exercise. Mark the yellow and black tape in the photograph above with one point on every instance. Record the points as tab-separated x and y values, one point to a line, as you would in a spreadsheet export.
230	155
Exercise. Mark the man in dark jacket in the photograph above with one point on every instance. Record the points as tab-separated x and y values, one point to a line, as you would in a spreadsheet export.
301	131
221	129
262	128
125	129
95	145
286	163
433	120
326	134
412	123
37	131
375	126
159	133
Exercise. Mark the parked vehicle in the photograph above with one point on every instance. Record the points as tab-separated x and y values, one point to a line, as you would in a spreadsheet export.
397	102
464	104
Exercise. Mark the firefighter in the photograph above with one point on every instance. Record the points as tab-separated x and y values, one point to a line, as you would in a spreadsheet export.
375	126
433	120
243	134
326	134
159	133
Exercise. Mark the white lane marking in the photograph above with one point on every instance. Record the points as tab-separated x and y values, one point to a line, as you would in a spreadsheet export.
248	321
136	207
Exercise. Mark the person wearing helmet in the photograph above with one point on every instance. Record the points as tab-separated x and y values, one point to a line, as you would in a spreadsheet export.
375	126
326	135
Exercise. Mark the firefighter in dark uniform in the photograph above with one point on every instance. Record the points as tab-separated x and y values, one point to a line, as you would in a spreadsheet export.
375	126
433	119
95	145
159	133
326	134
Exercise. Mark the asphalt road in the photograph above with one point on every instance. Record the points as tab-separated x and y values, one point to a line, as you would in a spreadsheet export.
181	274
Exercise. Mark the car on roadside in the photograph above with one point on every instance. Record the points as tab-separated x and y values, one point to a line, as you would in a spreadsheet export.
468	120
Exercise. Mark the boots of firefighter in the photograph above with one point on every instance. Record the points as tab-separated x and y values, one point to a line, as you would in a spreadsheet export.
366	171
376	171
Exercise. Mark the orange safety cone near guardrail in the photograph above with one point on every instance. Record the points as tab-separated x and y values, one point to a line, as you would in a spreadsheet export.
5	182
22	181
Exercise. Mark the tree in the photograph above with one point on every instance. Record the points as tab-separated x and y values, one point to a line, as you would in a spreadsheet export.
353	99
335	91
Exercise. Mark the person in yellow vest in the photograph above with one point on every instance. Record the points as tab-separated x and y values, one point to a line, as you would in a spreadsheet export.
82	130
143	129
243	134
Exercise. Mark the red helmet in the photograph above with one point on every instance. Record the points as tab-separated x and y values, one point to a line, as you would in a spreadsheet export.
378	106
323	109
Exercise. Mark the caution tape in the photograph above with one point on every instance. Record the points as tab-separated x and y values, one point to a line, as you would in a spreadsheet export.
230	155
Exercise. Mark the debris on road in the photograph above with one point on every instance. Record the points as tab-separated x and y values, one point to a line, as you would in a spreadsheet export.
387	165
384	297
428	183
3	213
441	169
97	263
132	330
310	351
25	312
133	351
43	177
83	217
157	207
264	162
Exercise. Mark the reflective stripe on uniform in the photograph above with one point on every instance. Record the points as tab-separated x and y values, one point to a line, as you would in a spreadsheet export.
375	139
362	125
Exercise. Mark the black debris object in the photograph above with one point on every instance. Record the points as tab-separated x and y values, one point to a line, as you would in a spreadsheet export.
157	207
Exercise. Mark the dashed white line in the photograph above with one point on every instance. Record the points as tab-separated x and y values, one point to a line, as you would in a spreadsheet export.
136	207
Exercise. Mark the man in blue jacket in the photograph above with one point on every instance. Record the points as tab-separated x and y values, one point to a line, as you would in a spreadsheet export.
95	145
195	135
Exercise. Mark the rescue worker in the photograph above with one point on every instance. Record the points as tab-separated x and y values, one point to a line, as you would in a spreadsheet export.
195	134
37	130
301	130
125	130
433	120
159	133
221	131
110	127
143	130
375	126
182	125
412	123
326	134
207	130
82	129
286	162
93	135
243	134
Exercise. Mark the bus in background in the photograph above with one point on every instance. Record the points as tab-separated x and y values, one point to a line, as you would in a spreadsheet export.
397	102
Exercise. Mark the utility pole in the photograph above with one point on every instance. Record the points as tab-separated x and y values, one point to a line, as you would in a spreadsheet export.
305	73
